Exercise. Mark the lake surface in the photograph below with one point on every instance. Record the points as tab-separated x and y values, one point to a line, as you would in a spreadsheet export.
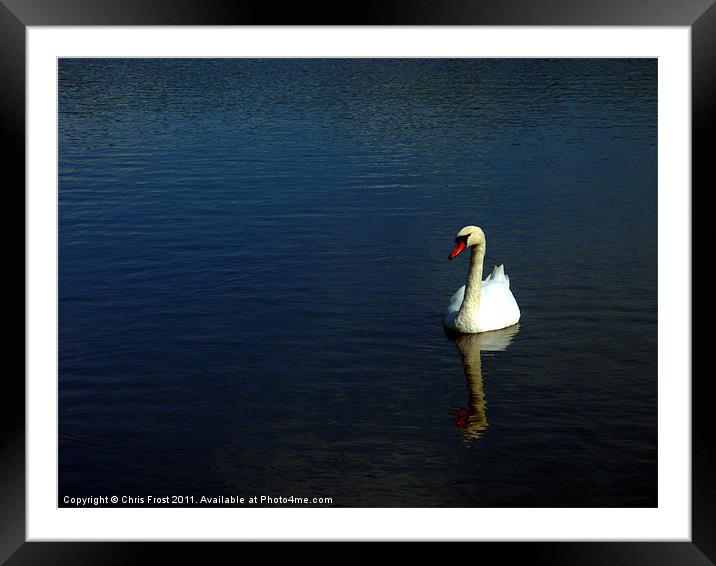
253	273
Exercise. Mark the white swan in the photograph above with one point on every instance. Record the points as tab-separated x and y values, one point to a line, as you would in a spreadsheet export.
480	306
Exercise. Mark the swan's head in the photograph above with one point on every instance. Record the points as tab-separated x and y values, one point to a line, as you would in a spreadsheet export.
468	237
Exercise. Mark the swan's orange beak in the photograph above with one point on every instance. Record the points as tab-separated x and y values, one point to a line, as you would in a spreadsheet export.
459	246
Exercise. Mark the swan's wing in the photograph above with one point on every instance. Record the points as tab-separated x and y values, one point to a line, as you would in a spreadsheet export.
498	275
453	307
498	307
455	301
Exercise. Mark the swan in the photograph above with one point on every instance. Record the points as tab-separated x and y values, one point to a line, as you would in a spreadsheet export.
480	306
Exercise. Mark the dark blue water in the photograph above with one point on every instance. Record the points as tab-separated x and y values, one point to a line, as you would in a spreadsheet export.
253	271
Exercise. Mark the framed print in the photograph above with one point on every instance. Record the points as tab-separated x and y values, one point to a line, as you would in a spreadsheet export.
239	323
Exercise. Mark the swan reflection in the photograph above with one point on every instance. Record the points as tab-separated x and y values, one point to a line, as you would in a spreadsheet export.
473	418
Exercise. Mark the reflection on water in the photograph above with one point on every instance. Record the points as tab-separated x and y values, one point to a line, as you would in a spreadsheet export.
473	418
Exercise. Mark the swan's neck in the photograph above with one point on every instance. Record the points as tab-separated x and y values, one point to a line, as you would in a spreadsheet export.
471	302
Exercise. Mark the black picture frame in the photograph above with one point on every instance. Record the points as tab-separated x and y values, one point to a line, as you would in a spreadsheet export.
17	15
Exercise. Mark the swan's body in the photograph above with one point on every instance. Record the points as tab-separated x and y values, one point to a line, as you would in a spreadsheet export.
480	306
497	307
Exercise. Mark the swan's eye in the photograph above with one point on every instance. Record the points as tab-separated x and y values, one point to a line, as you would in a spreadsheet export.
461	239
